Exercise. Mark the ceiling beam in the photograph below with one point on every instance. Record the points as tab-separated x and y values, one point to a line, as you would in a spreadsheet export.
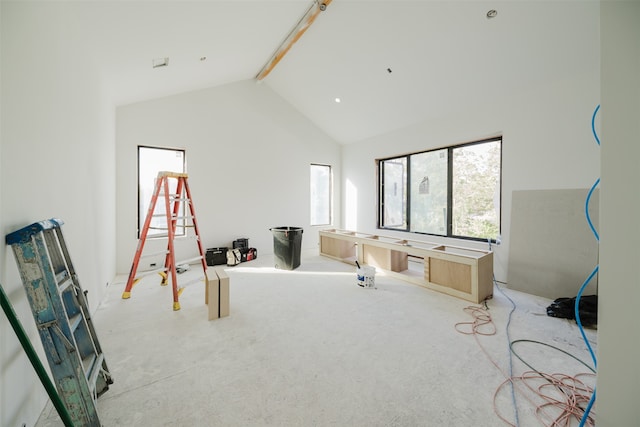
302	26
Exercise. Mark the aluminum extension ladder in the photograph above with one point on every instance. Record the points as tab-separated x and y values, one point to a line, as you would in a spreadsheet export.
61	313
173	202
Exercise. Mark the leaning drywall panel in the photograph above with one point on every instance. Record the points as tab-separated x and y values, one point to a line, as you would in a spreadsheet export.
552	248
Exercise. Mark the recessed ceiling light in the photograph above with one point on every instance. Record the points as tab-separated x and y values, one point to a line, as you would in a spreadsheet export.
338	100
492	14
160	62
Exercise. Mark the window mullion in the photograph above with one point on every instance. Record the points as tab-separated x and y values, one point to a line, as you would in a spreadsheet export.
449	225
381	194
407	211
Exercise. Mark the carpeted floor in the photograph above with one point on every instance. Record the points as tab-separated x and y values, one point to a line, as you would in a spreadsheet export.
311	348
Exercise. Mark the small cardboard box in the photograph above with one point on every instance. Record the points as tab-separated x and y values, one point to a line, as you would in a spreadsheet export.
223	304
217	293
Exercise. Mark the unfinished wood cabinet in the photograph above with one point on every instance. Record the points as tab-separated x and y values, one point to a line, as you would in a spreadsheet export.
385	258
337	248
462	272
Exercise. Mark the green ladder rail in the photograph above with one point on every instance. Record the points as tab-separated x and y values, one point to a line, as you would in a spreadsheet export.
34	359
62	317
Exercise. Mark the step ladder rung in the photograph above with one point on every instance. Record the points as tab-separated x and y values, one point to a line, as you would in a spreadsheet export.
175	198
184	237
95	371
155	254
193	281
87	365
150	272
74	321
159	236
172	217
189	261
65	284
60	277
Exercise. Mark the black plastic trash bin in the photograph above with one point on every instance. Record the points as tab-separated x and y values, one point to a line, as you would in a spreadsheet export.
287	242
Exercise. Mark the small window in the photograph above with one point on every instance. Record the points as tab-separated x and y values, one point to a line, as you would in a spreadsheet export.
453	191
320	192
152	160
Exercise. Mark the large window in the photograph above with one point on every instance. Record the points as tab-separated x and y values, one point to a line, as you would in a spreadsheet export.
320	195
453	191
152	160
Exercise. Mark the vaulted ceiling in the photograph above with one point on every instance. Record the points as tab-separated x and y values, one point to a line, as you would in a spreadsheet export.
391	62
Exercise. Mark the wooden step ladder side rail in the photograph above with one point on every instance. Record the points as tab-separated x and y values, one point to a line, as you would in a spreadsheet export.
141	241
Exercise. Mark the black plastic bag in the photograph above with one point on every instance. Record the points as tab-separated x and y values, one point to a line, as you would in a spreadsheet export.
565	308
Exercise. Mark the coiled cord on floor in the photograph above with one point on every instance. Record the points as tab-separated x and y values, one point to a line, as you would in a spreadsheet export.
562	397
482	323
558	399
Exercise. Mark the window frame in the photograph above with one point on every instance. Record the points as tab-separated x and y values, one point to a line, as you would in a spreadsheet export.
330	198
450	175
142	212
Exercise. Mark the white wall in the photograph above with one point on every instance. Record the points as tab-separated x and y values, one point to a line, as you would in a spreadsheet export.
248	157
618	350
57	160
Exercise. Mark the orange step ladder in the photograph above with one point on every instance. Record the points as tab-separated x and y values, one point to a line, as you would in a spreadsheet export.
173	202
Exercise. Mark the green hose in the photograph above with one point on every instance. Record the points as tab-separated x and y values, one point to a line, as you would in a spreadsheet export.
35	361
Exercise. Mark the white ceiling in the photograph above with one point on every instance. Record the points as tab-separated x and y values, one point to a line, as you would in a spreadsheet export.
444	55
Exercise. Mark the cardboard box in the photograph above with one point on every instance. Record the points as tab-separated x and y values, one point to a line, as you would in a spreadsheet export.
223	305
217	293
